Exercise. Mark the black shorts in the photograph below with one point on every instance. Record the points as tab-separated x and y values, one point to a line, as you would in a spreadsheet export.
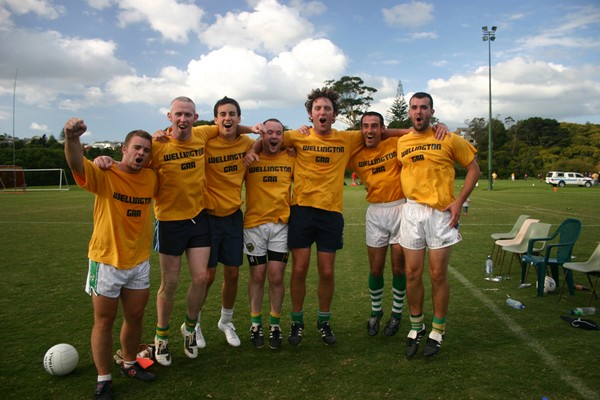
308	225
173	237
227	240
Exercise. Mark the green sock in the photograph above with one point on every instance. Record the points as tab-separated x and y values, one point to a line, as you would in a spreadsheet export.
162	332
439	325
416	322
256	318
323	316
298	316
190	324
399	292
274	319
376	292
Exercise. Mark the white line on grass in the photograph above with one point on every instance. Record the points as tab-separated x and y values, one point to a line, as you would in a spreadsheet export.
577	384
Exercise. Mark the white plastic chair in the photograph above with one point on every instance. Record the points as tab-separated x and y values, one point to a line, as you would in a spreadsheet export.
590	268
509	235
516	240
535	230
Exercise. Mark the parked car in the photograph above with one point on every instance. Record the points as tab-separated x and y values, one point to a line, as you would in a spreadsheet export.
560	179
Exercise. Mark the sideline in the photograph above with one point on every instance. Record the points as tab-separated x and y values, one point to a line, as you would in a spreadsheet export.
577	384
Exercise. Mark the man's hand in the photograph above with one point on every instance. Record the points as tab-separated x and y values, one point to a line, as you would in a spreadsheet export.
74	128
455	209
441	131
305	130
250	157
160	136
105	162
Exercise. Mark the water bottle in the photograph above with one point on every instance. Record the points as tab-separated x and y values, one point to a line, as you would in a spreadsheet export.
489	269
583	311
516	304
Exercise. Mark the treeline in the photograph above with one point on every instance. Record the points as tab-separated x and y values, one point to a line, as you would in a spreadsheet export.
533	146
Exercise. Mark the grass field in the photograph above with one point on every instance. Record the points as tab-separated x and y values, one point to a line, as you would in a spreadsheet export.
490	351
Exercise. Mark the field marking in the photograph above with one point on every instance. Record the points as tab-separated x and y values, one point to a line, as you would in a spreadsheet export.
577	384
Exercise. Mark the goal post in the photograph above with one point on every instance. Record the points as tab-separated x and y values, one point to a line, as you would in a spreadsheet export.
15	179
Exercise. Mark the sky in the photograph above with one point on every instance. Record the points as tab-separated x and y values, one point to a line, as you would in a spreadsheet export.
118	63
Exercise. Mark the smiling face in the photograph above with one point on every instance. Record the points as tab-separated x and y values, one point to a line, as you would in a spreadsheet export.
182	117
135	154
420	113
272	138
371	129
322	115
227	119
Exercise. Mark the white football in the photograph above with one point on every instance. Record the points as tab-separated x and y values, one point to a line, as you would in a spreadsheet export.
549	285
61	359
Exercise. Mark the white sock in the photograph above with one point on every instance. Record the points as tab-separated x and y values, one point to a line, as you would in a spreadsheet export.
226	315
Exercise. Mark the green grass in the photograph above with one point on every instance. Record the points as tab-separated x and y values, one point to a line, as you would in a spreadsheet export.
490	352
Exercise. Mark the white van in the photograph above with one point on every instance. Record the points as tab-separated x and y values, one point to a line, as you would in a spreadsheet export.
558	178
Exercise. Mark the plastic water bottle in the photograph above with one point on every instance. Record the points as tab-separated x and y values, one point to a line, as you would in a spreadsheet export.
583	311
489	269
516	304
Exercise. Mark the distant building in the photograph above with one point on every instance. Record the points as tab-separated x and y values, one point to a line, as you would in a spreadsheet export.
466	134
105	145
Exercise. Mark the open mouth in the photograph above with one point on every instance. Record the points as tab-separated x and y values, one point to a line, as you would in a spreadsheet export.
322	120
139	160
227	126
182	127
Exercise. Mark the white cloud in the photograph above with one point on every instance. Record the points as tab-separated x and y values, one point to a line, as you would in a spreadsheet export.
271	28
38	127
309	8
408	15
172	19
43	8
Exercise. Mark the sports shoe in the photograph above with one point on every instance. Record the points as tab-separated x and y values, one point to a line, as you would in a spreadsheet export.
295	336
326	333
433	344
373	324
412	343
190	347
275	338
200	342
392	326
229	330
137	372
104	391
162	353
256	336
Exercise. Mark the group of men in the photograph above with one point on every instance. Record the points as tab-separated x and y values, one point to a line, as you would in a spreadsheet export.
200	172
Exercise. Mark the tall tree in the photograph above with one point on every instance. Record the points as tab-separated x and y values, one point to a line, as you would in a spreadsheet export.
397	115
355	98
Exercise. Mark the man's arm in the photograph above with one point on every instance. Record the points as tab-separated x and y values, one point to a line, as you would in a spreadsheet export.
73	129
471	178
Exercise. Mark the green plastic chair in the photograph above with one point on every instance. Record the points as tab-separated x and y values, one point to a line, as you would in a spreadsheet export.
560	244
509	235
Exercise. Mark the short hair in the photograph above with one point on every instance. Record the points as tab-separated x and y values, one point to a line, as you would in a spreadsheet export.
372	114
422	95
325	92
273	120
183	99
227	100
137	133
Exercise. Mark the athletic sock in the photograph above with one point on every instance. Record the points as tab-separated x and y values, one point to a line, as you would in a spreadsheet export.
439	325
256	318
162	332
190	324
323	316
298	316
226	315
376	284
274	319
399	293
103	378
416	322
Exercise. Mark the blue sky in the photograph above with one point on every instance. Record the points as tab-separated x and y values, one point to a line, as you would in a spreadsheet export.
118	63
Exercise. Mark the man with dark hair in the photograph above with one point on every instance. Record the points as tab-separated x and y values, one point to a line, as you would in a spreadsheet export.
430	216
119	250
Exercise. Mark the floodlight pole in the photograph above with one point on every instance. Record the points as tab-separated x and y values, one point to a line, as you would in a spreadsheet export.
489	36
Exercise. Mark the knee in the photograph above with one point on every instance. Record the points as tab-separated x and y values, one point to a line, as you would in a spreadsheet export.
167	289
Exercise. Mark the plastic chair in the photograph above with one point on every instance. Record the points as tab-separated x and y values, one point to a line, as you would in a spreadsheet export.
516	240
509	235
535	230
567	234
590	268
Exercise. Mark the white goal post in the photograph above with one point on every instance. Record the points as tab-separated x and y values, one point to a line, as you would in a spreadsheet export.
24	179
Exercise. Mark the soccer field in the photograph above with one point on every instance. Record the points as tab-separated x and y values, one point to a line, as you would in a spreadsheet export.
490	351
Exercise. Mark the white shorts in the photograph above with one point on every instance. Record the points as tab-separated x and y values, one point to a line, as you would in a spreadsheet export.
106	280
423	226
270	236
383	223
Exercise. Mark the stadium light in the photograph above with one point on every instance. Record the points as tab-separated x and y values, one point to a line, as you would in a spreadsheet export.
489	36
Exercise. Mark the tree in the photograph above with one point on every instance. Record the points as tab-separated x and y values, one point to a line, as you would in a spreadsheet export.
355	98
397	115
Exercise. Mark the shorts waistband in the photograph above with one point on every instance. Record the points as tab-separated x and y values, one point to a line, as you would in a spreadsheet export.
389	204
